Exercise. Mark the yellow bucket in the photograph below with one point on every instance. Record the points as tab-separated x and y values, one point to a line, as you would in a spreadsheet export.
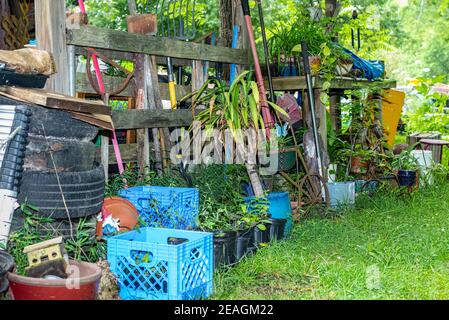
392	104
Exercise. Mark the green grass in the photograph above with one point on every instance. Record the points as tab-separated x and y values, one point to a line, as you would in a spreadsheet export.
402	239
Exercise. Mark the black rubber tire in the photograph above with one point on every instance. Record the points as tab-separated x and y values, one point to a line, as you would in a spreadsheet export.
60	124
69	155
56	228
57	123
83	192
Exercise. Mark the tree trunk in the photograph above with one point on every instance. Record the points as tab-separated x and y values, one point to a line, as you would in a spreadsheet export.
254	178
226	20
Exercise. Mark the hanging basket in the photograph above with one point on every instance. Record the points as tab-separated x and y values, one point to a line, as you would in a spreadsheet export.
286	159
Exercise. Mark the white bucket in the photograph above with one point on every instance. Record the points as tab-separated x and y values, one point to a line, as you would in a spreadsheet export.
7	113
425	162
8	204
341	193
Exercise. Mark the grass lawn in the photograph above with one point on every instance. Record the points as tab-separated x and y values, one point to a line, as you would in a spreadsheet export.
388	247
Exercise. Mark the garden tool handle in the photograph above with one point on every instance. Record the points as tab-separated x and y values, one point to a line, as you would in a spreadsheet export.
245	7
305	57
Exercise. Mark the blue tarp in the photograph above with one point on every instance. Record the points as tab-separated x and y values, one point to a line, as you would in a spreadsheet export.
371	69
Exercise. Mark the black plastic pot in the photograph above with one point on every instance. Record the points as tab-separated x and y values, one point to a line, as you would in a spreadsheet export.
407	178
225	243
11	78
243	243
175	241
262	236
277	229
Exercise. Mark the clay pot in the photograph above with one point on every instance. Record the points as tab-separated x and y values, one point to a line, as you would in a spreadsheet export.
357	163
315	64
121	209
142	24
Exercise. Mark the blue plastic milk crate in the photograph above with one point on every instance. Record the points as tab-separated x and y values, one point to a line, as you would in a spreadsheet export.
166	207
162	264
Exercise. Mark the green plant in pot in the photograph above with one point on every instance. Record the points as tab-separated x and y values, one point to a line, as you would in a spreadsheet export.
217	218
255	216
238	110
407	168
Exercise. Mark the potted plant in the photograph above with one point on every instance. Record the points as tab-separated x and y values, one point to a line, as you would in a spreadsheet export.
407	167
217	219
256	217
238	110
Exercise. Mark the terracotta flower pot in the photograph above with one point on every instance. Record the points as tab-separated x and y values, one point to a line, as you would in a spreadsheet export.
357	163
142	24
120	209
315	64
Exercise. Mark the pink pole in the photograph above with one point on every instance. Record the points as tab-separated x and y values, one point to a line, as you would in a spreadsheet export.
102	88
268	120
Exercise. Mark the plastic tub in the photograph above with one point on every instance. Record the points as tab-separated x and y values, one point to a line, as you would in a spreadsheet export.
425	162
407	178
262	236
341	193
82	284
279	208
148	268
243	242
225	247
277	229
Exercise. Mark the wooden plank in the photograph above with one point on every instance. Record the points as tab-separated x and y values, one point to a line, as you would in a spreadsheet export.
56	101
104	153
341	83
129	56
83	86
123	41
50	29
137	119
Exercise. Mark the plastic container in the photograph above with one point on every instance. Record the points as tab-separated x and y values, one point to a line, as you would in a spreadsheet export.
406	178
82	284
11	78
286	159
166	207
225	248
148	268
341	193
277	229
425	162
7	113
243	243
262	236
366	186
280	208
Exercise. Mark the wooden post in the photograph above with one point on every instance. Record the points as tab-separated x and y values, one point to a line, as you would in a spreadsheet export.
51	36
320	112
147	93
243	40
72	70
335	110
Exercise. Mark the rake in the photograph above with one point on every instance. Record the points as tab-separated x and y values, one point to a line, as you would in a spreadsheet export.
176	20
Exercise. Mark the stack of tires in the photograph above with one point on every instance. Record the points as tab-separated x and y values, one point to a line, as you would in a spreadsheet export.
60	155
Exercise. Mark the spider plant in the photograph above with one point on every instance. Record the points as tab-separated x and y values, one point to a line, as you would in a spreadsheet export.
237	109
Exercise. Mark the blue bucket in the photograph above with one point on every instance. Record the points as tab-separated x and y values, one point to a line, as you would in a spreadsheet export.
280	208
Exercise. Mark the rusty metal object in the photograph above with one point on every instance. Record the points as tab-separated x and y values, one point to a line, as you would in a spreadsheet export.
93	82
